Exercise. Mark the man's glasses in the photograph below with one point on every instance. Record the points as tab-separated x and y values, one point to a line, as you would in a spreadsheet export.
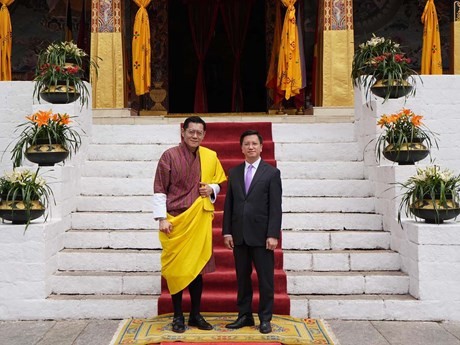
192	133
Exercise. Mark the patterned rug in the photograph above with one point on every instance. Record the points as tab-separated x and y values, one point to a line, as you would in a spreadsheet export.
286	330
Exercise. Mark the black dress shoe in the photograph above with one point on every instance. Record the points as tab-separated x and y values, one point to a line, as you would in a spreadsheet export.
242	321
200	322
178	324
265	327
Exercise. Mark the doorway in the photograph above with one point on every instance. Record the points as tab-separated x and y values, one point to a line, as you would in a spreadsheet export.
218	66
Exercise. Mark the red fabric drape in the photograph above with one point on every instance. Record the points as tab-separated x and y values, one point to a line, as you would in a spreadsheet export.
82	40
202	16
272	76
235	15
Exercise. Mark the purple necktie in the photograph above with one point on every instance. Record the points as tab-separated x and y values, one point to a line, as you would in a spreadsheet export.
248	179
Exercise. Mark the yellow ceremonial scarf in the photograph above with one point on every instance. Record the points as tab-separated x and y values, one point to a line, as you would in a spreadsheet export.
188	247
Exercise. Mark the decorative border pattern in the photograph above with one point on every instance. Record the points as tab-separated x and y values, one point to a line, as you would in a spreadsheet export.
337	15
456	11
286	330
106	16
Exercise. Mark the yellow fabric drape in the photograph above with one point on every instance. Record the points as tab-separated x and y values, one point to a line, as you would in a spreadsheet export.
455	47
431	50
141	49
188	248
6	40
289	68
108	86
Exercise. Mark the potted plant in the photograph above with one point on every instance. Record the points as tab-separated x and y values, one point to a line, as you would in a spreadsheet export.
432	194
381	67
24	196
405	139
45	138
60	73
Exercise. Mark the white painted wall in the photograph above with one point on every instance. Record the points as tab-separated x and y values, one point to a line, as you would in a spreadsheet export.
28	259
429	252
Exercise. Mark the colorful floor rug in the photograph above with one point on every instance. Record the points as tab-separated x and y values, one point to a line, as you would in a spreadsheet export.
286	330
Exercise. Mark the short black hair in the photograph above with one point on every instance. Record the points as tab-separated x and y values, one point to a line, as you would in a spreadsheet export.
194	119
251	132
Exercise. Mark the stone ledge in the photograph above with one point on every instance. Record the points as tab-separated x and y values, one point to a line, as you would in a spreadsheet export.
447	233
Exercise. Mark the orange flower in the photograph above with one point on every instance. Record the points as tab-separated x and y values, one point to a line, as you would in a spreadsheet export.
64	119
406	111
383	120
394	118
417	120
41	118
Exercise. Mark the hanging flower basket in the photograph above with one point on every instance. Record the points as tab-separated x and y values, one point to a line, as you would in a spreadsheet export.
432	194
46	138
405	139
381	89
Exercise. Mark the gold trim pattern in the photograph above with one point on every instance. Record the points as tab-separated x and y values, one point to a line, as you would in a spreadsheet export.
337	15
456	11
106	16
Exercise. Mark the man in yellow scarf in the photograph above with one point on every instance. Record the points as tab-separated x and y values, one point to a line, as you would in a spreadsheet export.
186	185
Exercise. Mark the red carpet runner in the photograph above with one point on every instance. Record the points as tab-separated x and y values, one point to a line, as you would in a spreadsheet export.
219	292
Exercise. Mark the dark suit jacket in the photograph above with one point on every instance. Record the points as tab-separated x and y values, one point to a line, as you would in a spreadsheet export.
257	215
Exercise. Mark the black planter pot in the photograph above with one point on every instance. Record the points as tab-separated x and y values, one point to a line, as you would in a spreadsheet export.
17	213
435	213
46	154
391	91
59	97
406	154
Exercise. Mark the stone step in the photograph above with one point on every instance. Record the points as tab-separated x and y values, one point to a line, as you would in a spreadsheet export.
318	170
131	134
146	283
353	307
332	221
291	221
112	239
313	133
299	242
335	170
125	260
118	186
348	283
105	283
365	307
327	188
321	152
334	240
341	260
170	133
143	203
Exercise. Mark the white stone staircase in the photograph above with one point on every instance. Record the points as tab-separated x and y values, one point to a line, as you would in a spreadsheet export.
336	252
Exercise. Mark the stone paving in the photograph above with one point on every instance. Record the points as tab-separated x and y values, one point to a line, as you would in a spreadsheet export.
100	332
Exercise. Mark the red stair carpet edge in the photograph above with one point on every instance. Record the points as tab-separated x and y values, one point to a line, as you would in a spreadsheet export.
219	290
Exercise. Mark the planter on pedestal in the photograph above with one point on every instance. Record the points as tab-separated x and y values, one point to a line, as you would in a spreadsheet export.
434	211
20	212
407	153
381	89
45	153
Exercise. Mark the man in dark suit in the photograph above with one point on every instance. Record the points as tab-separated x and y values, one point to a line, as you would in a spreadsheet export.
251	227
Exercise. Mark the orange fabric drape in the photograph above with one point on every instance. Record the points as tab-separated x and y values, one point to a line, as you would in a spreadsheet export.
431	50
289	68
6	40
141	49
272	75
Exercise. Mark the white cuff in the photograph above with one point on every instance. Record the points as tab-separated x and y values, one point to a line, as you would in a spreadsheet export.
159	205
216	189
